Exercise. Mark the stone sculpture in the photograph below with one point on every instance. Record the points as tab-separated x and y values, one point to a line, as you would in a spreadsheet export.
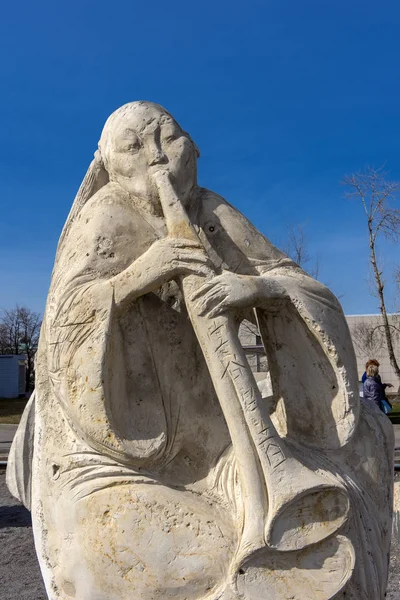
153	466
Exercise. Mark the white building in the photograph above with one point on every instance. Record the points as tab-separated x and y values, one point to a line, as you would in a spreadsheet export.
12	375
368	340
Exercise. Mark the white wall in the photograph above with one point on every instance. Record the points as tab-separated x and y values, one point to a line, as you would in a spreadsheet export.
10	375
374	346
360	326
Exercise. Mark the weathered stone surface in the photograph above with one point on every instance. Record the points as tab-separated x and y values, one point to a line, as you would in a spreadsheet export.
159	469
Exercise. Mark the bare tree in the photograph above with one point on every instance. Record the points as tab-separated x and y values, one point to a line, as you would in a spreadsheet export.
376	194
297	249
368	340
19	334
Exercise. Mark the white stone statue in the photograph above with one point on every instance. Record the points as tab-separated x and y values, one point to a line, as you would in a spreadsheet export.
154	467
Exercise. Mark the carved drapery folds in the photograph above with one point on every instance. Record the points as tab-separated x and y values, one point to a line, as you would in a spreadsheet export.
154	466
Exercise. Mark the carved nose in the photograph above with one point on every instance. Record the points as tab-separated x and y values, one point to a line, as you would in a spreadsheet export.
157	157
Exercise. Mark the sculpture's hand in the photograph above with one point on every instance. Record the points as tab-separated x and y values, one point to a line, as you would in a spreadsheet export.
172	257
166	259
230	291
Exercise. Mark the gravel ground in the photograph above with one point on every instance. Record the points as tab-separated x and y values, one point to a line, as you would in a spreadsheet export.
393	589
20	577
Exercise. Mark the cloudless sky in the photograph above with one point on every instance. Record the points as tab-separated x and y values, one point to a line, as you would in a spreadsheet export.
282	97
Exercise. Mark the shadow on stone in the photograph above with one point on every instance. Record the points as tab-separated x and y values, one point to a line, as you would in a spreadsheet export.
14	516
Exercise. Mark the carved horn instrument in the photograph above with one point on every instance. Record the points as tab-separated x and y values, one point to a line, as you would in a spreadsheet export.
287	506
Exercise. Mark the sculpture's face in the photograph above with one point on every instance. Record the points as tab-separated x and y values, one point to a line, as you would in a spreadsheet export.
144	138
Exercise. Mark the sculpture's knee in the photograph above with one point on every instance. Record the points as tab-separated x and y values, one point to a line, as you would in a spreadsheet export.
147	542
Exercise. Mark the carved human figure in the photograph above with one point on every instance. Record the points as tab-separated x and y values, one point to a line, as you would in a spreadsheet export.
156	468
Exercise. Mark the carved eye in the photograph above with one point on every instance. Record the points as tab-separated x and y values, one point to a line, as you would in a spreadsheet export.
169	133
129	142
134	146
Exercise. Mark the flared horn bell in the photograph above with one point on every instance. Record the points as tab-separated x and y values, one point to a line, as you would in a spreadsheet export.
304	507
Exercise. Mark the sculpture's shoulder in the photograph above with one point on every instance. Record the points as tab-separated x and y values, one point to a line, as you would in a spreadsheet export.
99	237
109	212
209	202
108	200
211	209
216	217
211	205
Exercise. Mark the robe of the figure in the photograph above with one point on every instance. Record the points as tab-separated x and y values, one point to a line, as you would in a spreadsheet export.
130	389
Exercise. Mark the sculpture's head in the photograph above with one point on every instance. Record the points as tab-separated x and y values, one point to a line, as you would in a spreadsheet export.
141	135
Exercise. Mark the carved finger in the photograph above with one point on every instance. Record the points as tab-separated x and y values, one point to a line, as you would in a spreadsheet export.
205	288
198	269
209	301
193	257
220	308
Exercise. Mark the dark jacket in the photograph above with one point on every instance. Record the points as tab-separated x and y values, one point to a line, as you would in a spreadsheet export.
374	391
364	377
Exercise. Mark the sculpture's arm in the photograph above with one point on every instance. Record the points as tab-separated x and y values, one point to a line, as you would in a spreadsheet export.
166	259
301	323
265	276
112	254
106	250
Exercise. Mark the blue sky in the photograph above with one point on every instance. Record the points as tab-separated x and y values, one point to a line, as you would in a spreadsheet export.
283	98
